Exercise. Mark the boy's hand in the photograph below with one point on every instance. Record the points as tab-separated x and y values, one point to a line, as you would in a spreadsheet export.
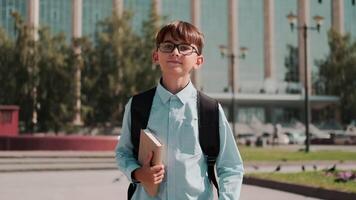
148	174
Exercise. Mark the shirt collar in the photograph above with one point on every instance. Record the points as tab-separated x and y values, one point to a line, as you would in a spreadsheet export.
187	93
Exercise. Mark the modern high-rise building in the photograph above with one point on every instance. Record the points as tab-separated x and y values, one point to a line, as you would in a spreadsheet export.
256	81
6	8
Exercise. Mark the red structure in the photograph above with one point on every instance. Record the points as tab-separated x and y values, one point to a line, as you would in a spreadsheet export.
9	120
10	140
58	143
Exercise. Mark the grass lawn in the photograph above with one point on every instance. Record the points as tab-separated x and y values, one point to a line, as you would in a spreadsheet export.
315	179
278	154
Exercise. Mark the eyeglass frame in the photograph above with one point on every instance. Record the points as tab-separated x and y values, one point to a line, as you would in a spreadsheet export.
176	46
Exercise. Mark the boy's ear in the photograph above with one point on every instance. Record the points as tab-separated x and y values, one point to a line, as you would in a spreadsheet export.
199	62
155	57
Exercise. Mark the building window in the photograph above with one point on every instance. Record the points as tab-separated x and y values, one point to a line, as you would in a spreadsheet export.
251	114
55	16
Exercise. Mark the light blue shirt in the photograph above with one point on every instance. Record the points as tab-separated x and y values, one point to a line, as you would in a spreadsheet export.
174	120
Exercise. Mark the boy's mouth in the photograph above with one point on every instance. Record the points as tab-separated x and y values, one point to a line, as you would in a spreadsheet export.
174	62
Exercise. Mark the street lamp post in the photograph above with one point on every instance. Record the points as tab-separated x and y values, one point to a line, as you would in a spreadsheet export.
231	59
318	19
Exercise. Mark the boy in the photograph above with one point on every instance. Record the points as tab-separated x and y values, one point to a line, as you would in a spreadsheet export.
174	120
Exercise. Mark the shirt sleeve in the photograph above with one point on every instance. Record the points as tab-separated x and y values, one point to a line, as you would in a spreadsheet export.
125	159
229	164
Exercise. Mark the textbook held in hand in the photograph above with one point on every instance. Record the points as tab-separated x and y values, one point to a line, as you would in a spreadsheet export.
149	143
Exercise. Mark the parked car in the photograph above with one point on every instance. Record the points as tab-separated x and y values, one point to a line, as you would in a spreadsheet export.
351	129
296	137
281	138
332	127
246	139
343	139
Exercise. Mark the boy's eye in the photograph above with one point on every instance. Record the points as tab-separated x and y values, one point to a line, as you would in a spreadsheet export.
184	47
167	46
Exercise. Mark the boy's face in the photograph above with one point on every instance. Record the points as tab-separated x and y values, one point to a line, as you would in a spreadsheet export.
181	61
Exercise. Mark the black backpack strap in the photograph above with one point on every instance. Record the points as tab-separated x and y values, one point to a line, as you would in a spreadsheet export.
131	190
208	111
140	112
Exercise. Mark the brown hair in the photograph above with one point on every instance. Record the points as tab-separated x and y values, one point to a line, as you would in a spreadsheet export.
180	30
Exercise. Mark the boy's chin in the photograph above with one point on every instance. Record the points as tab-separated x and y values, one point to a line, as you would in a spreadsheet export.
173	70
175	74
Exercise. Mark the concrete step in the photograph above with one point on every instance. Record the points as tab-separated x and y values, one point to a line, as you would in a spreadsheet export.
22	161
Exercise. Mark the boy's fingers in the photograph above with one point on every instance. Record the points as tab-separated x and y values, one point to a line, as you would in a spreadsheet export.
159	173
157	168
158	180
158	177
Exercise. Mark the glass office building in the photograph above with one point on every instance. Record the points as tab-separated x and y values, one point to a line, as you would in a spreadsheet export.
214	24
6	8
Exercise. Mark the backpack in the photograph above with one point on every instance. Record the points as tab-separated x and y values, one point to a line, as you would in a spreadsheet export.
208	122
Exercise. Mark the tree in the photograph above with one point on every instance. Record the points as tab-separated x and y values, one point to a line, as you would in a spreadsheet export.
39	72
35	75
337	73
19	65
7	71
110	75
149	73
118	66
55	86
291	63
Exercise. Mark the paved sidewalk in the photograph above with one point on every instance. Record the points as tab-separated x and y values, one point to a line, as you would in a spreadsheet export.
16	161
62	169
94	185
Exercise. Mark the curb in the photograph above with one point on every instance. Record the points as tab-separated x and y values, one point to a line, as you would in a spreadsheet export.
300	189
57	169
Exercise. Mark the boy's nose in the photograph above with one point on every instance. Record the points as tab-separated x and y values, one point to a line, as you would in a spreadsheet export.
175	52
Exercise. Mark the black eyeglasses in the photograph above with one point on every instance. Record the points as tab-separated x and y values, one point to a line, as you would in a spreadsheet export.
184	49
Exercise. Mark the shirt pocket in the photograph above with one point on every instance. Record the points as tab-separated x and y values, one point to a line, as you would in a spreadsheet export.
188	138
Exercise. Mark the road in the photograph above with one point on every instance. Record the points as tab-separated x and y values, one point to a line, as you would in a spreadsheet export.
94	185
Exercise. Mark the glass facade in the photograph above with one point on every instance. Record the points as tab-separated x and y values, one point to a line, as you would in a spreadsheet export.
251	69
176	10
215	66
283	35
93	12
6	8
318	41
140	10
56	15
214	24
249	114
350	16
